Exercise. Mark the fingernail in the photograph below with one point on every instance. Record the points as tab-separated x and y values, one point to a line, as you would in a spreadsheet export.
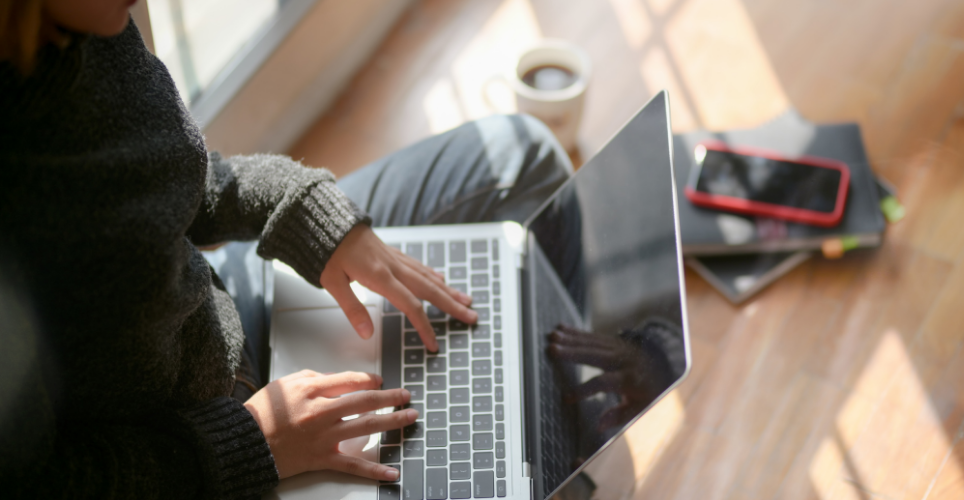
411	414
391	474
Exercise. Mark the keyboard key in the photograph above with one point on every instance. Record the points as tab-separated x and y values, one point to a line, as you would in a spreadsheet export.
460	287
459	413
496	288
436	483
459	396
391	352
497	359
482	385
456	251
500	412
460	341
480	297
481	367
461	470
480	332
414	374
414	356
390	454
498	394
498	374
459	377
495	272
483	460
414	250
482	486
436	439
417	407
456	325
412	471
389	492
497	322
437	458
499	468
435	382
415	430
439	328
434	313
480	263
435	365
497	305
399	469
436	420
458	273
480	280
481	422
460	359
497	339
459	433
483	313
500	488
436	254
413	340
495	249
441	348
460	452
418	391
459	490
500	450
412	449
482	404
500	431
393	436
481	350
480	441
436	401
479	246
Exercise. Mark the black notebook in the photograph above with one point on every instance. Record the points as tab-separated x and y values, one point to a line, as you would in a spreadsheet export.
739	277
712	232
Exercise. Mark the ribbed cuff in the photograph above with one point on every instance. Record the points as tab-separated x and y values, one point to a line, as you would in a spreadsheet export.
306	233
236	459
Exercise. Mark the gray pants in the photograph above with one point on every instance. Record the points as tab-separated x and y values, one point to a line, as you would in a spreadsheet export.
495	169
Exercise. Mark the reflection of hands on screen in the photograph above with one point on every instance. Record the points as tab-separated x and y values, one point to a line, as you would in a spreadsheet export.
627	371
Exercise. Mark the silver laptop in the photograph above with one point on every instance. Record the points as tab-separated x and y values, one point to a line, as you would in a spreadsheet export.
582	328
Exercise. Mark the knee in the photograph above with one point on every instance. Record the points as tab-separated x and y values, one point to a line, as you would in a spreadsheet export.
545	142
522	145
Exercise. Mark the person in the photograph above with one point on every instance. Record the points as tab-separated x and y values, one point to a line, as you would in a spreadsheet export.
119	347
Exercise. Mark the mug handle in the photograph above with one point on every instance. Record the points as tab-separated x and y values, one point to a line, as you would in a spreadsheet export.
499	77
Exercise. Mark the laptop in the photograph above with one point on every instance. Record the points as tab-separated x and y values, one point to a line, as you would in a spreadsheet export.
582	329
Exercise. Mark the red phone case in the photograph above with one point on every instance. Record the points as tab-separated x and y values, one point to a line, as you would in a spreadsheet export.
743	206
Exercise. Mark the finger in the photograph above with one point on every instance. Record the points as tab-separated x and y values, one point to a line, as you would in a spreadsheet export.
399	295
437	278
427	290
332	386
363	468
373	424
600	358
603	383
340	288
301	374
354	404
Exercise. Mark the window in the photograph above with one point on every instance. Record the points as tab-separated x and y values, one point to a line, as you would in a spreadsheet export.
211	47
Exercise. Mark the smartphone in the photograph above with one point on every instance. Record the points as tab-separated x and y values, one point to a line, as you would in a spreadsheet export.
807	190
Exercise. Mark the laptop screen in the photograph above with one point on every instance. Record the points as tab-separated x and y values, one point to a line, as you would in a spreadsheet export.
605	336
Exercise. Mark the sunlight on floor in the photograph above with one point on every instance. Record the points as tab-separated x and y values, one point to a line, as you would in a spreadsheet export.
648	436
863	459
472	89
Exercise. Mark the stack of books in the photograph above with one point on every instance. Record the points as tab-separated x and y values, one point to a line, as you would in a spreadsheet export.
739	255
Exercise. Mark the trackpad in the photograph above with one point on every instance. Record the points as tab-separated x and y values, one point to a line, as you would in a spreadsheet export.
321	340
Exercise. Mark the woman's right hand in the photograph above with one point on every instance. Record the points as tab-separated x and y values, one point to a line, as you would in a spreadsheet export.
301	418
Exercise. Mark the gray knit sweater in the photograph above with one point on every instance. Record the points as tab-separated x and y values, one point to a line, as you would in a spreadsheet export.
115	368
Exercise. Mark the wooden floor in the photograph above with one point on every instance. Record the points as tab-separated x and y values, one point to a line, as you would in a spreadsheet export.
844	380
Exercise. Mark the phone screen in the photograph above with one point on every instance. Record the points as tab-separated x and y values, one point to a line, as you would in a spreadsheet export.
778	182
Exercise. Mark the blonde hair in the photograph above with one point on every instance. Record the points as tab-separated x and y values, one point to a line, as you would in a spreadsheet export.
21	24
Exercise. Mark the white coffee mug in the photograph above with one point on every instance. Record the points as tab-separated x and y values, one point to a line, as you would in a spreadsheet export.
560	109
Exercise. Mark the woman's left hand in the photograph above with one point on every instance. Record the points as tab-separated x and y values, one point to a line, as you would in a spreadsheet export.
363	257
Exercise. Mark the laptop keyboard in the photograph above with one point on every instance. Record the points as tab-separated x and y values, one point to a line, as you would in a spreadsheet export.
456	449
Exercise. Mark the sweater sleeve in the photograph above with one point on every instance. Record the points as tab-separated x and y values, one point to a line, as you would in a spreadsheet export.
298	213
